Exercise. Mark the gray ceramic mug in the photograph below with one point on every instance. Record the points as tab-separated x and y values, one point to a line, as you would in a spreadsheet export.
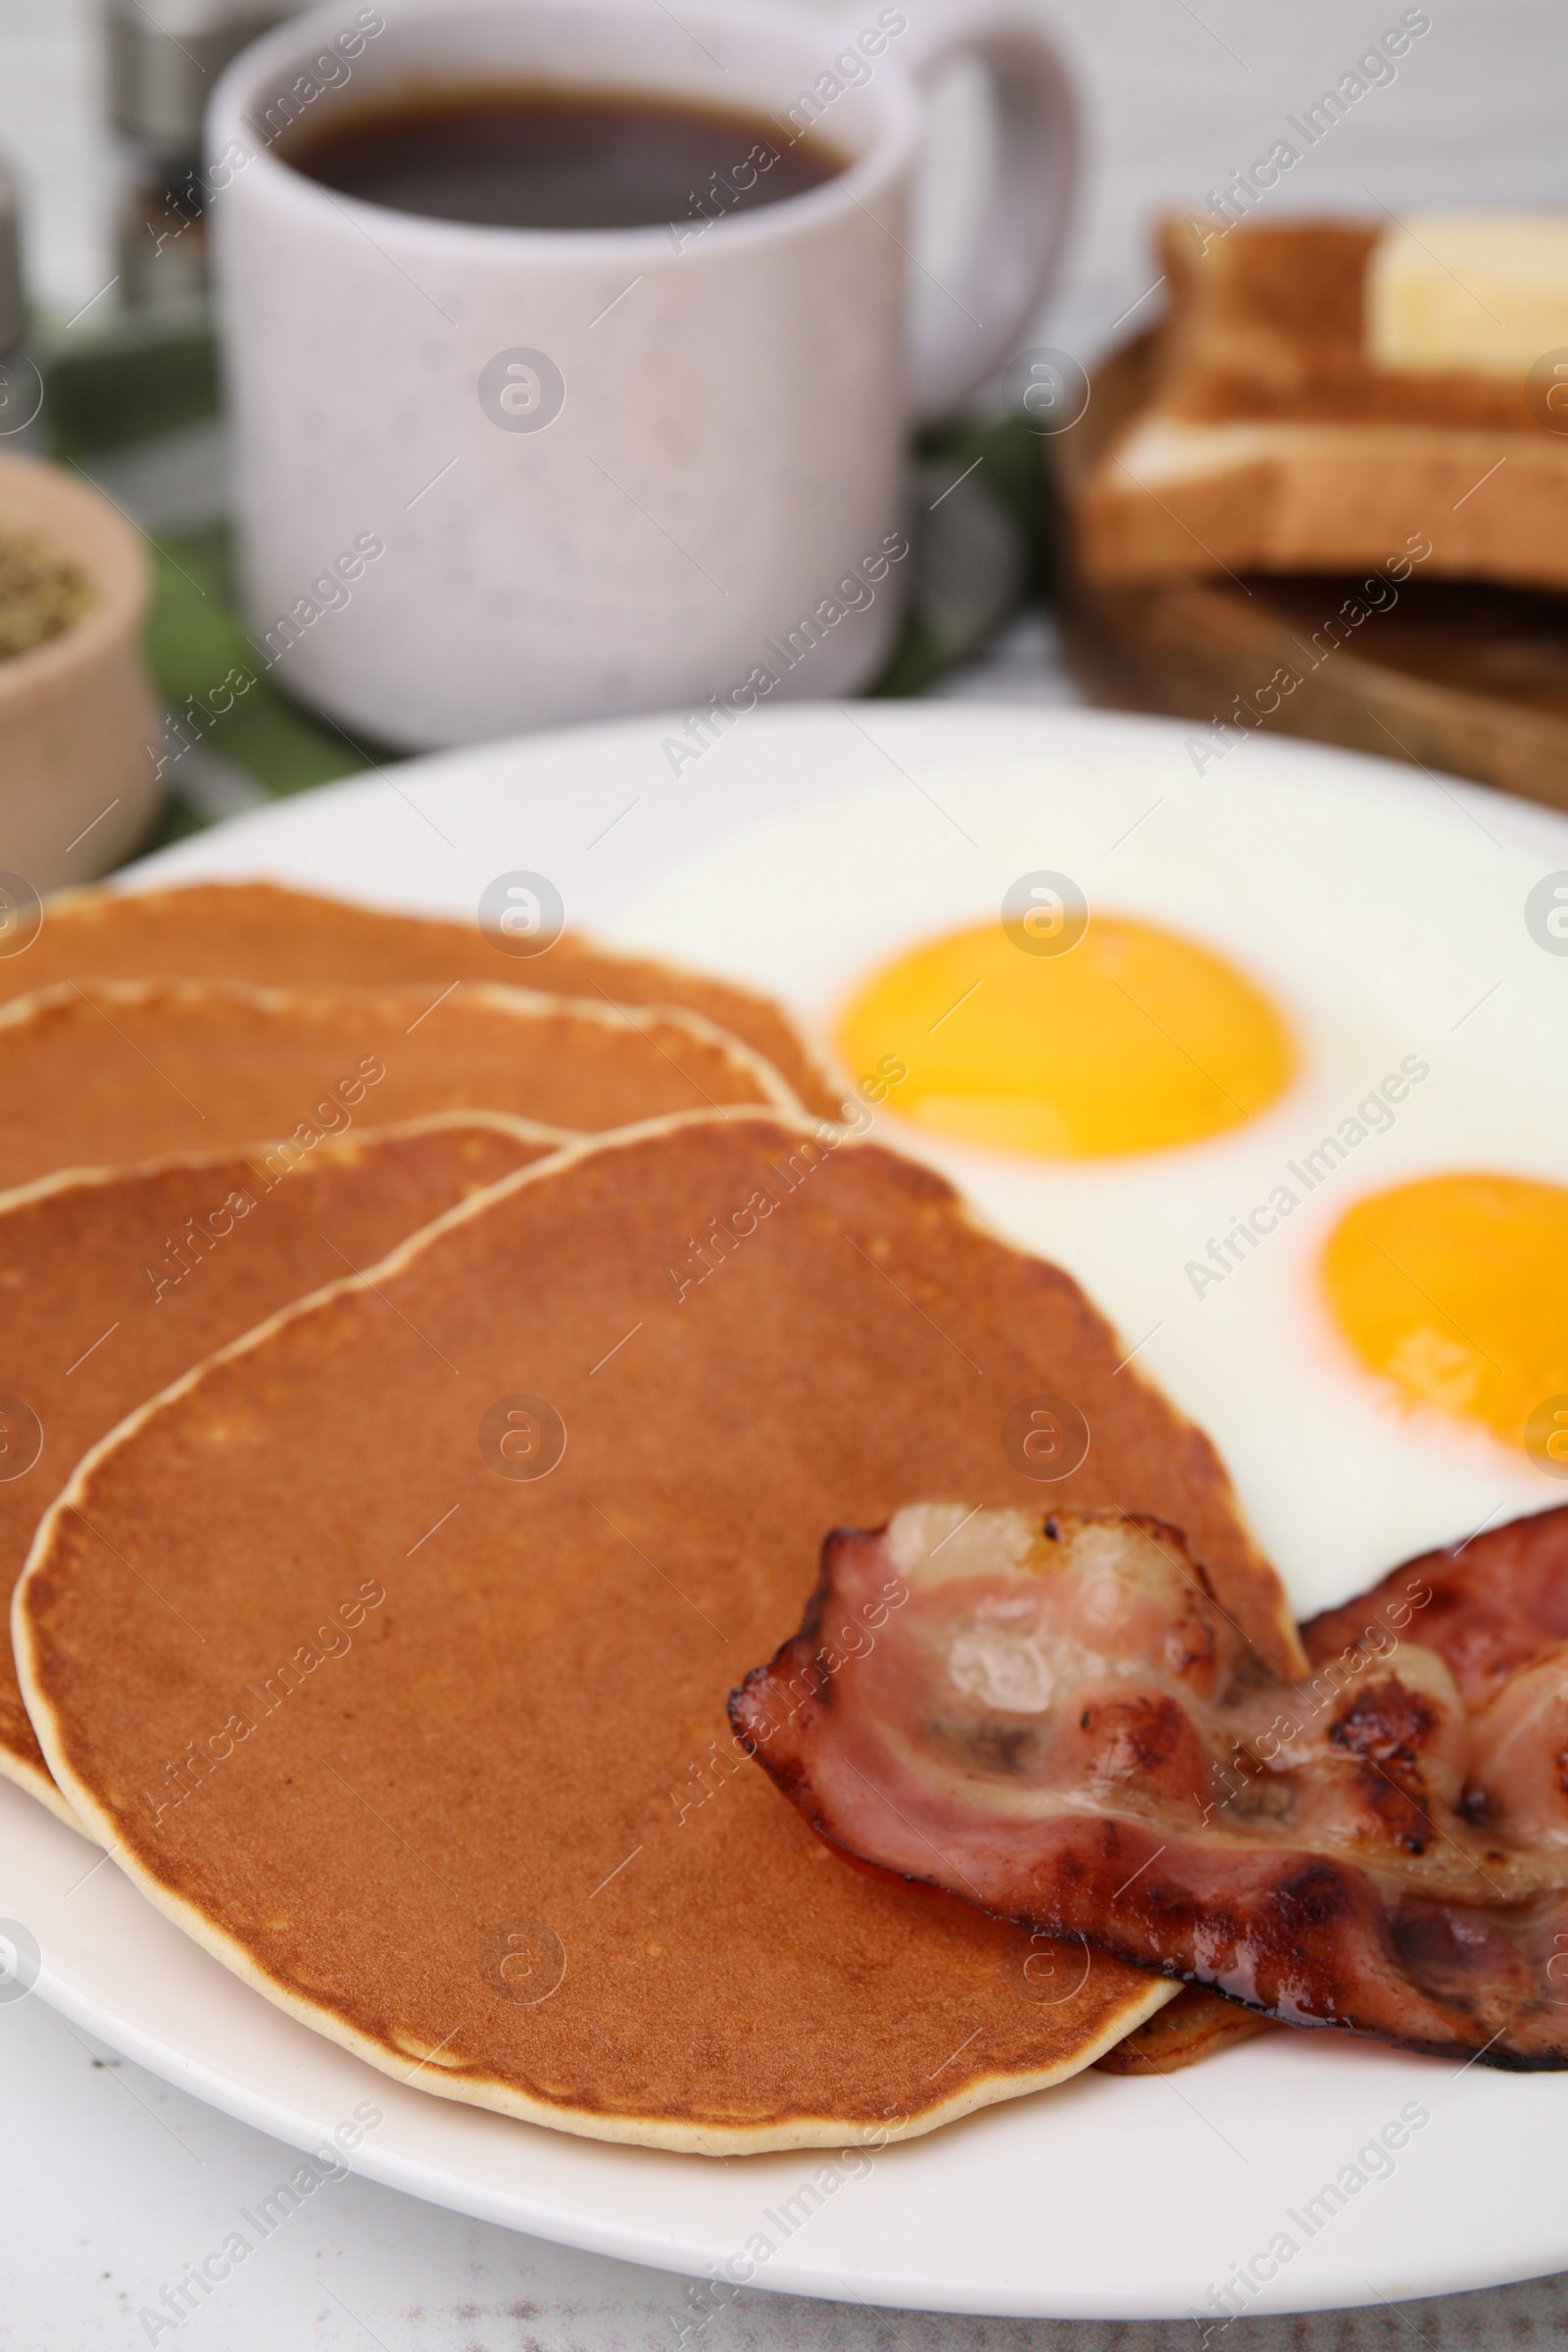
492	479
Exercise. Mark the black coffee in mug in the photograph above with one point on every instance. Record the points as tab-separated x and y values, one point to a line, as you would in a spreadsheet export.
559	159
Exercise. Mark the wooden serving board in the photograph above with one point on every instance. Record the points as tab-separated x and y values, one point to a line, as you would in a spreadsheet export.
1467	678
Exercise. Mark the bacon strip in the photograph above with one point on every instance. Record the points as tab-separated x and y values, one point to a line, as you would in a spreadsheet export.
1052	1719
1493	1604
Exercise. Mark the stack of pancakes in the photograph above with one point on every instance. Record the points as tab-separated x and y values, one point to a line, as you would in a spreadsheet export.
423	1399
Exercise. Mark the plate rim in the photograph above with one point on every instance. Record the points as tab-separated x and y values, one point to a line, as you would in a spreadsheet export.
981	730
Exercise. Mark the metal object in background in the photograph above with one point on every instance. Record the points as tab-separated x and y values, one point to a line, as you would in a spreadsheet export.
12	311
21	384
161	75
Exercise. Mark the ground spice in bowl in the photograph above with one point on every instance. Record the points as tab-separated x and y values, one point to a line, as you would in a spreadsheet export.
41	594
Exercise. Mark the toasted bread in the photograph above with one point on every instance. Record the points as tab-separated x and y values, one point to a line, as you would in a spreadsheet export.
1273	442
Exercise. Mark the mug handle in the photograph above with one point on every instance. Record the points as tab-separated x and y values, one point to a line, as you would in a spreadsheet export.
959	341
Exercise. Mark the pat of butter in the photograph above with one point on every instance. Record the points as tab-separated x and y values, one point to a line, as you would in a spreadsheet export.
1476	293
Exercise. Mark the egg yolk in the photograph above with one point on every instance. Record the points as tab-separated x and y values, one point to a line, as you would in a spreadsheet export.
1455	1288
1133	1041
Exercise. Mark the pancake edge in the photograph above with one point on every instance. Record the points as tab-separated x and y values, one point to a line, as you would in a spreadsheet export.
816	1048
24	1775
521	1003
432	1123
1144	1996
21	1769
1289	1659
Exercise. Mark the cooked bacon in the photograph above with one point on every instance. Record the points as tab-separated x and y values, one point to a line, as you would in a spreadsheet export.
1053	1719
1490	1606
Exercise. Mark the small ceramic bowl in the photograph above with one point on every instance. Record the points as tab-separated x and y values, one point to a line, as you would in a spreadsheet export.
77	713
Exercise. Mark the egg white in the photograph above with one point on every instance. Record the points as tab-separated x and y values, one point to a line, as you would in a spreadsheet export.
1387	931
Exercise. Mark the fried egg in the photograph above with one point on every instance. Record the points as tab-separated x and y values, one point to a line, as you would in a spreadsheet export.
1358	1041
1455	1288
1131	1038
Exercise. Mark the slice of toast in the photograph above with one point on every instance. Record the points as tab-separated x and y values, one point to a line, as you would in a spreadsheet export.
1272	442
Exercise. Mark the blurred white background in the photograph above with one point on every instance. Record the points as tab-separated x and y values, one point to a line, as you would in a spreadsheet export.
1174	98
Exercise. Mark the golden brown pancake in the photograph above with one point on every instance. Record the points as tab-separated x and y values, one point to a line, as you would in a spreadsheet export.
279	937
1197	2025
112	1070
113	1282
505	1837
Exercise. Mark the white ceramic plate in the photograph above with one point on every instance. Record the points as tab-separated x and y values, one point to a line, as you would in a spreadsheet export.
1107	2197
